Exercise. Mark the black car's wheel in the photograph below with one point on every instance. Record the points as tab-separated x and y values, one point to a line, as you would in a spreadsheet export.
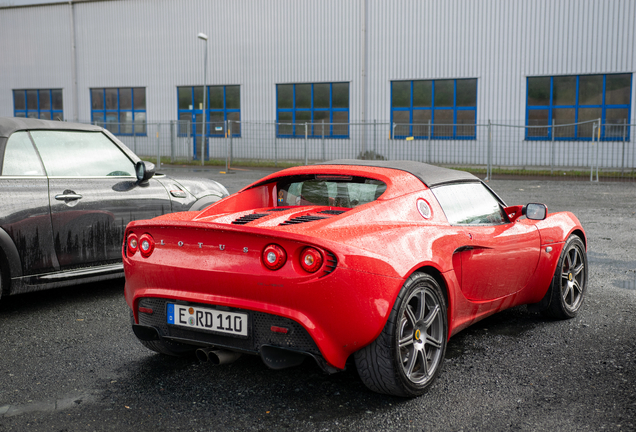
407	356
570	281
166	347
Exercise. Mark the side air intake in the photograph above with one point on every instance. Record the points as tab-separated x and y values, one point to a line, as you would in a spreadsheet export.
248	218
302	219
332	212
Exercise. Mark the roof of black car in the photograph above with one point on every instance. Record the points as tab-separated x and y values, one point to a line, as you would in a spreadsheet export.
8	125
430	175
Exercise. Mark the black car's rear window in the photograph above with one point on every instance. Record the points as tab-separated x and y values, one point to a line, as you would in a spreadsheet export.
328	190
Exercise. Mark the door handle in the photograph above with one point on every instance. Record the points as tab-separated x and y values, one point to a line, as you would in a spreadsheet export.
66	196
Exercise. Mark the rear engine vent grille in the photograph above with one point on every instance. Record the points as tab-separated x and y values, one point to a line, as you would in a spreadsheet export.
278	209
302	219
331	263
248	218
332	212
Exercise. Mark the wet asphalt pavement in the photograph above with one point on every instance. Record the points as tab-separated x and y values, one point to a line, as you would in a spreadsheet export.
69	361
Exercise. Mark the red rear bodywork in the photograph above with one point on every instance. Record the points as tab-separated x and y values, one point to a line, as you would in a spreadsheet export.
208	258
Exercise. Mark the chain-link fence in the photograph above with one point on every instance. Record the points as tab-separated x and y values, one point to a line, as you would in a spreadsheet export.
585	150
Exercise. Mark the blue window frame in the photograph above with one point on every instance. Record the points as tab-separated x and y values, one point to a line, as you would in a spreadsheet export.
297	104
223	104
120	110
41	104
449	105
572	99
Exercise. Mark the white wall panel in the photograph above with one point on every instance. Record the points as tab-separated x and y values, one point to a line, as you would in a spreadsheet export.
258	44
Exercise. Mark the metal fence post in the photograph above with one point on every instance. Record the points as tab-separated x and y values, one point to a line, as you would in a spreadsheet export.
275	145
592	152
375	144
190	138
305	143
172	140
227	148
393	139
229	131
158	147
623	152
552	155
323	140
489	153
134	138
598	147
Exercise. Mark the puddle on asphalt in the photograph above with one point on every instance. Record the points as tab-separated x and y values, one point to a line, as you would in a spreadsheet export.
628	285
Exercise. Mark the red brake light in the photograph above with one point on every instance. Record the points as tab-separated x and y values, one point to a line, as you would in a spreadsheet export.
310	260
274	257
146	245
132	244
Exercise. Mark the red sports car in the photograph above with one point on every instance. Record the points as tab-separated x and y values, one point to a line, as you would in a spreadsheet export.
381	261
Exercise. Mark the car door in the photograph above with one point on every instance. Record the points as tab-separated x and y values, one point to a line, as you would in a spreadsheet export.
498	257
24	205
93	194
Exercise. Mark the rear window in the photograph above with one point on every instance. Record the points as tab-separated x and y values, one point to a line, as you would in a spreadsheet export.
328	190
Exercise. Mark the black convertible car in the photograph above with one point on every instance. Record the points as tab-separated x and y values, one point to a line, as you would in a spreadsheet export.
67	192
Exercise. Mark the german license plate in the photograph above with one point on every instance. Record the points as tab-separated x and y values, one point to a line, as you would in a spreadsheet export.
195	317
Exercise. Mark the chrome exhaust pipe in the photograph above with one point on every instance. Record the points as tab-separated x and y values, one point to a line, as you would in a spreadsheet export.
217	356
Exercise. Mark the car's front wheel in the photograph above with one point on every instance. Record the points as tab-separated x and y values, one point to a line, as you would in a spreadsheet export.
407	356
570	280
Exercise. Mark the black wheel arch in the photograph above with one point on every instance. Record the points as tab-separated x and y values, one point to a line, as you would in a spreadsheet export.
437	275
579	233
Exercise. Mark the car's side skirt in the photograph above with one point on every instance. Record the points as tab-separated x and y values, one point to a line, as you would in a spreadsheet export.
59	279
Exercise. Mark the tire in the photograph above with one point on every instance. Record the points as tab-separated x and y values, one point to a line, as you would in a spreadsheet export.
569	283
166	347
408	355
4	275
204	202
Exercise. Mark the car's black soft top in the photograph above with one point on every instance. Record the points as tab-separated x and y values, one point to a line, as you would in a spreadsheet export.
8	125
430	175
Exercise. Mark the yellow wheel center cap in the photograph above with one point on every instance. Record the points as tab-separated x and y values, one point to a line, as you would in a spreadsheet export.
418	334
570	276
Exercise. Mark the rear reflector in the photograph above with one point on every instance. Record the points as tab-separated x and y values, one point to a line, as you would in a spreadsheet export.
146	310
277	329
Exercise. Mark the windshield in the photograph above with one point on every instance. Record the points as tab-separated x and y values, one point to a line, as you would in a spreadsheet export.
328	190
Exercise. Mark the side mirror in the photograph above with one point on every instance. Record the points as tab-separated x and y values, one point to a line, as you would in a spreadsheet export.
144	171
535	211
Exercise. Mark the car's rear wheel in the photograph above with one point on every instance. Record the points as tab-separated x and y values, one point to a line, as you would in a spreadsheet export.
166	347
407	356
569	283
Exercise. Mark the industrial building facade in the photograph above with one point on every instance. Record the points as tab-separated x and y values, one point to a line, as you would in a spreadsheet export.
128	63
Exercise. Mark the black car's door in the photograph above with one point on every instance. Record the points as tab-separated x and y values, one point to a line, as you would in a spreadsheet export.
93	194
24	205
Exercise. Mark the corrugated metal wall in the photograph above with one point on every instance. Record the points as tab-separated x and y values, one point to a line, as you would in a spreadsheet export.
258	44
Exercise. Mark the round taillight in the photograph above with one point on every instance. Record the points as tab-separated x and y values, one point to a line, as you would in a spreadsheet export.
133	243
274	257
310	260
146	245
